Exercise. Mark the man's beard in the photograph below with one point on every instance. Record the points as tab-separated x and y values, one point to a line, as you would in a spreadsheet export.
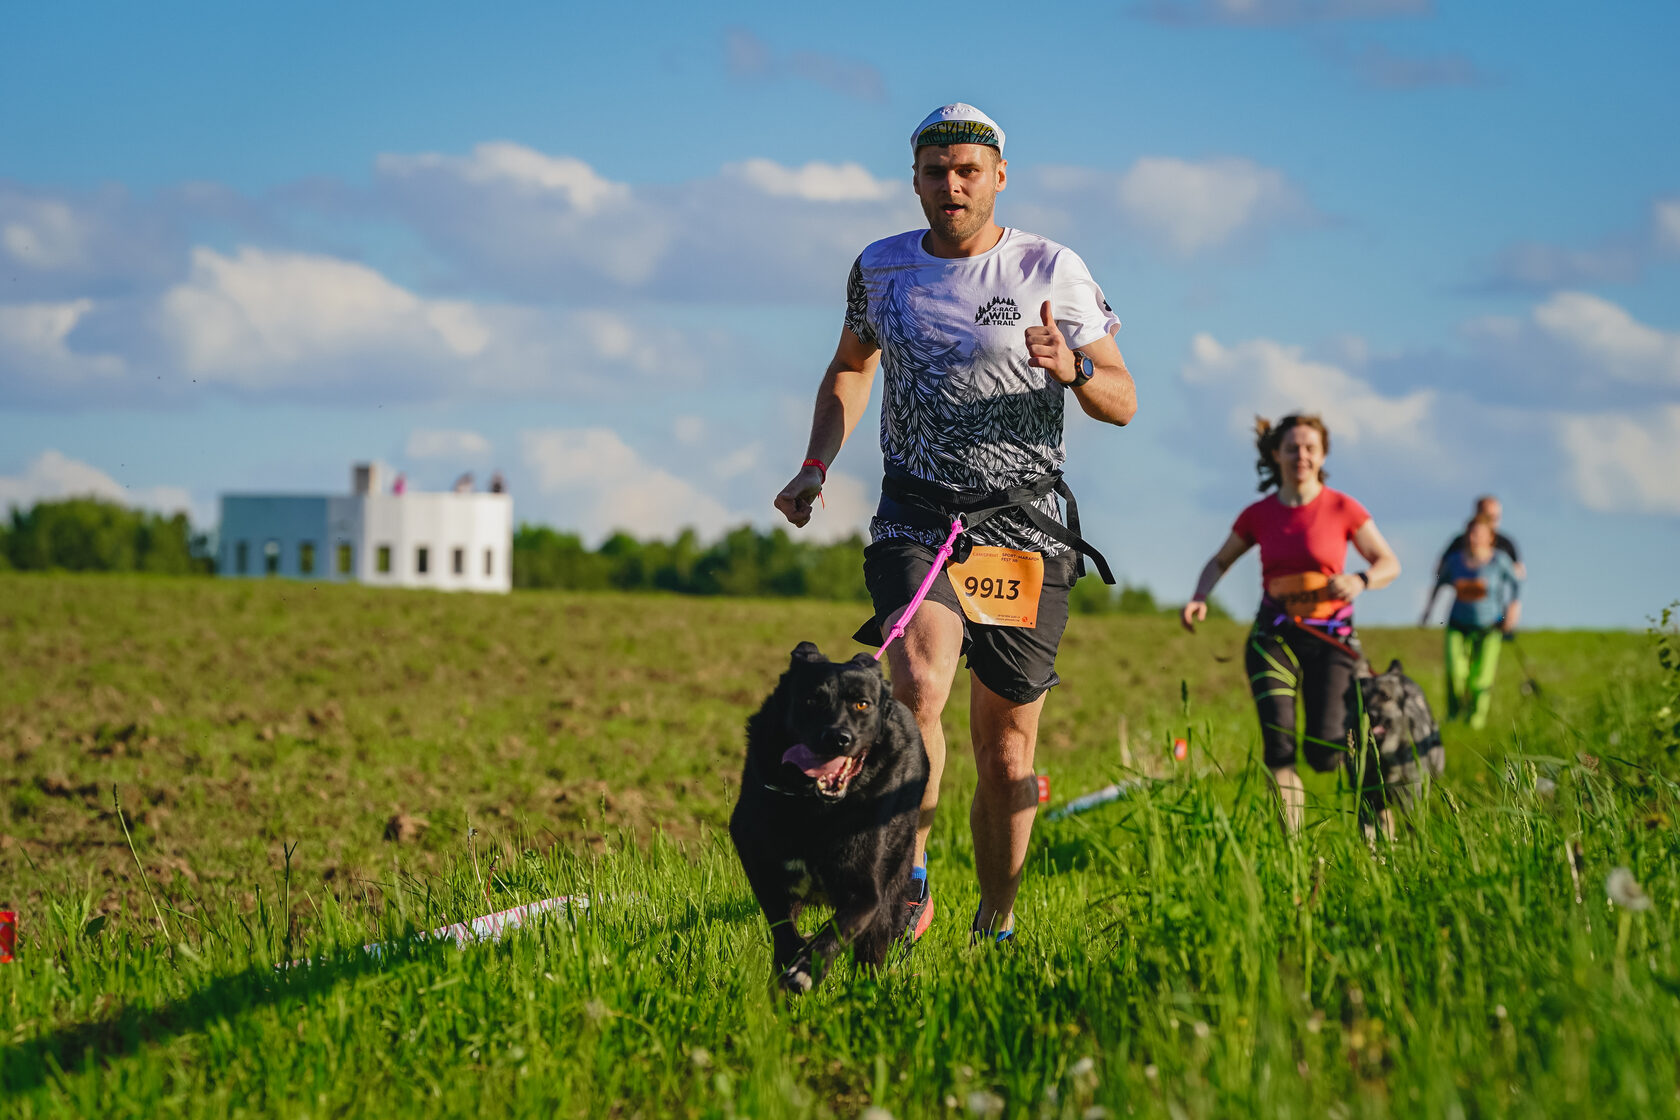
965	223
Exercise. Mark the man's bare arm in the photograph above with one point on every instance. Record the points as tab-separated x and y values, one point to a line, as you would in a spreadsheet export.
1110	395
841	401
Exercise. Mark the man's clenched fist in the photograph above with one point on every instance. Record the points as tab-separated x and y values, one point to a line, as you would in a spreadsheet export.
797	496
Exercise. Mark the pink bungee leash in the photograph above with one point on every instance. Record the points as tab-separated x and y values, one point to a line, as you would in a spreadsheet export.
945	551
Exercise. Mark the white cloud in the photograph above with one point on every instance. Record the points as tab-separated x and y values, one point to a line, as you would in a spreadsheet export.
1266	378
1187	207
1608	338
52	475
35	347
757	230
846	508
596	483
447	443
51	237
70	245
815	181
689	430
1665	214
259	317
1625	463
503	163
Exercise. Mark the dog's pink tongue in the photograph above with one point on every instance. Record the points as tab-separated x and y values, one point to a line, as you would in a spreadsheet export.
804	758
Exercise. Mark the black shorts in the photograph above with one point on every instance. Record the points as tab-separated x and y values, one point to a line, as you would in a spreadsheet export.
1285	662
1016	663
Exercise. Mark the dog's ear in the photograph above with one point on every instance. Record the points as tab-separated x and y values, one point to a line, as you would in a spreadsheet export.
1395	667
807	651
866	661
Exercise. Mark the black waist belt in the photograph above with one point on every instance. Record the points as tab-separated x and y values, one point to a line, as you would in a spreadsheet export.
908	500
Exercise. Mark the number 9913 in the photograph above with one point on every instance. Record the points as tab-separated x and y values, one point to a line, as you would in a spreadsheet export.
985	587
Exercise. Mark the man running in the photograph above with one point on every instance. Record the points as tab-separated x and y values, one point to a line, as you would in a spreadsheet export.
982	332
1489	509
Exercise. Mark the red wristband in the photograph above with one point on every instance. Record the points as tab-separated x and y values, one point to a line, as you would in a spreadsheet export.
819	464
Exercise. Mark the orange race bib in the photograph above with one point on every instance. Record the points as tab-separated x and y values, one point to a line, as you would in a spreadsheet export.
1305	595
999	586
1470	590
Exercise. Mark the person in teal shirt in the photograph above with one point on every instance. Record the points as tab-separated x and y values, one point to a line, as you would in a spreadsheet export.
1486	592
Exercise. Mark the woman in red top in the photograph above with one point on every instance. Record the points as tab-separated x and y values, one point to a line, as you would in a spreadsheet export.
1303	641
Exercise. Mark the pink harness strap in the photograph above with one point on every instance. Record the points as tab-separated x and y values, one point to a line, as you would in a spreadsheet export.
934	572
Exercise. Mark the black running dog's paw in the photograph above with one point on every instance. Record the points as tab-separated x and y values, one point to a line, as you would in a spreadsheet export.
796	979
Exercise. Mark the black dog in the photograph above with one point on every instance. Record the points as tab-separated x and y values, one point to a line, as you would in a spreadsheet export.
829	802
1405	742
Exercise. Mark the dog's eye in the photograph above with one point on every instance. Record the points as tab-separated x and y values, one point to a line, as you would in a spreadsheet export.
860	705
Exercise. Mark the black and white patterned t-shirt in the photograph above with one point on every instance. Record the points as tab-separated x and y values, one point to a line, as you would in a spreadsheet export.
960	405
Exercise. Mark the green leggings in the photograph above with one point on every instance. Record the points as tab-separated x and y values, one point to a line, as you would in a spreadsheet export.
1472	661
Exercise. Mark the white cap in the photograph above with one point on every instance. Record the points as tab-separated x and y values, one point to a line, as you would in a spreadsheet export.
956	124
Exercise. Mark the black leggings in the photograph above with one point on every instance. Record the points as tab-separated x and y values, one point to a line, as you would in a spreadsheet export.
1286	662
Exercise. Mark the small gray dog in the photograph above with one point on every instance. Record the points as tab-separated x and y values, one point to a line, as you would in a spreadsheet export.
1405	741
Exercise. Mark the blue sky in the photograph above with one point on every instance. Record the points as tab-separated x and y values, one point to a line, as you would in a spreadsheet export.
604	251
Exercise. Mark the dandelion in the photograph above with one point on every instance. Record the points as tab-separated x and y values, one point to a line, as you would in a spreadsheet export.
1151	1072
1084	1067
1201	1029
700	1056
982	1103
1624	890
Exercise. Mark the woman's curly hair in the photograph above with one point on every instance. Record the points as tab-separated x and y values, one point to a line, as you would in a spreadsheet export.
1268	437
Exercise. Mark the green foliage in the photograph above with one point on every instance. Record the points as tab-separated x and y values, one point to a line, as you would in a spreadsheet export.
744	562
1091	596
1667	638
93	535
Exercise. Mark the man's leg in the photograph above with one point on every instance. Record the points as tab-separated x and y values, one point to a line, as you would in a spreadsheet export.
1006	800
924	663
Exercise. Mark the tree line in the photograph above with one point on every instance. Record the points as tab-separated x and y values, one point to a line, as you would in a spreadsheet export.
93	535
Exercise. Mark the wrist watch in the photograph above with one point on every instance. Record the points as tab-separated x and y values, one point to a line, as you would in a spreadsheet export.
1083	370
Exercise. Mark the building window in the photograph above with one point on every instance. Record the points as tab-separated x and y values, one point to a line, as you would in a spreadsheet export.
489	562
460	561
242	557
382	560
271	558
422	560
346	558
306	558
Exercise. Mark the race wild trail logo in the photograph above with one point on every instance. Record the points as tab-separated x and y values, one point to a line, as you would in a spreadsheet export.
999	311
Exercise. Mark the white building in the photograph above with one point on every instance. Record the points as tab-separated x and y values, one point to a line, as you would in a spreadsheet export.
450	542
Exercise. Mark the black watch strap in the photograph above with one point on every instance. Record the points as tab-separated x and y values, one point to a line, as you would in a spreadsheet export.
1084	370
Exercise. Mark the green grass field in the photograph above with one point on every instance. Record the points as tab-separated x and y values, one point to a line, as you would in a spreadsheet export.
425	758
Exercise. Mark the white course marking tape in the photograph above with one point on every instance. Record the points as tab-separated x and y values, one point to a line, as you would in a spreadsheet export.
1100	797
485	927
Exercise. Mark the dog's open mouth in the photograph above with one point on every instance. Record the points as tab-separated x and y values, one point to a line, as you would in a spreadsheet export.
831	775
